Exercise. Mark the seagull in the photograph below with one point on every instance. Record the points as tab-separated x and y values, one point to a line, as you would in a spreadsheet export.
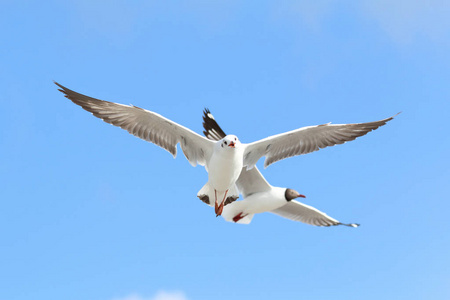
222	159
259	196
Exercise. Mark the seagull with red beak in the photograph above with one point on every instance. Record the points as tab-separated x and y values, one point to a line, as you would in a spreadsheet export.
222	159
227	162
259	196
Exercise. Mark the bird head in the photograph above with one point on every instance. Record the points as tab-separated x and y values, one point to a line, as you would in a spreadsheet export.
230	141
292	194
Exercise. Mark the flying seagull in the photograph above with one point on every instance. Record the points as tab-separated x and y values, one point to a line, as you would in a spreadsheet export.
225	158
222	159
260	196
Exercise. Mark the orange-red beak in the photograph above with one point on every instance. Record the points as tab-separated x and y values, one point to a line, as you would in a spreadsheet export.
232	144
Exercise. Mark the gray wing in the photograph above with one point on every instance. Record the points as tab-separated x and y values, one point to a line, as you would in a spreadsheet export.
305	140
147	125
297	211
252	181
249	181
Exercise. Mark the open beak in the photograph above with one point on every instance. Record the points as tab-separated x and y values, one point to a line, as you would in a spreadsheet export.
231	144
219	208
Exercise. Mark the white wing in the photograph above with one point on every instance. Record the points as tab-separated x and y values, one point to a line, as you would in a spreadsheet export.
252	181
305	140
297	211
147	125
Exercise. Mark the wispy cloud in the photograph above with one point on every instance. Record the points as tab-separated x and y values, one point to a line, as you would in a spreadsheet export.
404	21
408	20
309	13
118	20
112	19
161	295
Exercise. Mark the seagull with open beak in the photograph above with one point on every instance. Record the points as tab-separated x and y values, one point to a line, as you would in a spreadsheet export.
227	164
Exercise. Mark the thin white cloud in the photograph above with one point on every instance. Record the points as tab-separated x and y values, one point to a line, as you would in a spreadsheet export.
113	19
161	295
118	20
309	13
214	15
408	20
404	21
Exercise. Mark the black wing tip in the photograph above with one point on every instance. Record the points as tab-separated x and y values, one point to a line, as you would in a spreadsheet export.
210	125
207	115
390	118
354	225
63	90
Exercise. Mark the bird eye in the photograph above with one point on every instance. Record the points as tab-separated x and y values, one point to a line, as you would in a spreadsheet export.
225	142
235	139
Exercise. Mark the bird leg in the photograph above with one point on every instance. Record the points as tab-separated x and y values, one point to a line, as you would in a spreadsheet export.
238	217
216	207
219	208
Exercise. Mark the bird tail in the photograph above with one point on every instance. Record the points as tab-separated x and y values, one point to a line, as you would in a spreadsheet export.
207	195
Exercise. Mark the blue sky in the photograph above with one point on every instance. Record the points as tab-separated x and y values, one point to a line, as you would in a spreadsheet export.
91	212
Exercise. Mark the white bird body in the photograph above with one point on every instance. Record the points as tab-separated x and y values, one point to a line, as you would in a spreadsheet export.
259	202
260	197
223	168
227	164
254	204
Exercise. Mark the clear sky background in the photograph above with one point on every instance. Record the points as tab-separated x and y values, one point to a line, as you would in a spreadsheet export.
90	212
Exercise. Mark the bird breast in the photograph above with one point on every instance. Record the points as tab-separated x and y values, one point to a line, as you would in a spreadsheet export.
224	168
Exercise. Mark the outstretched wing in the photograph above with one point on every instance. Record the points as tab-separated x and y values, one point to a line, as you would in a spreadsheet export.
147	125
249	181
305	140
297	211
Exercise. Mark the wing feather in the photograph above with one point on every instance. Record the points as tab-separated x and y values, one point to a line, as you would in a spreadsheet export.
212	129
146	125
297	211
305	140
